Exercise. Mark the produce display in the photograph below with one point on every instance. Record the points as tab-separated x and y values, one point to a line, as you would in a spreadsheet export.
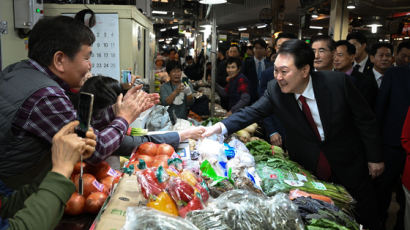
242	210
98	180
218	183
148	218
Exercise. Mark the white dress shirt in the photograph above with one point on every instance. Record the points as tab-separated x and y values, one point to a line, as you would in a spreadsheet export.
309	94
262	64
362	64
378	76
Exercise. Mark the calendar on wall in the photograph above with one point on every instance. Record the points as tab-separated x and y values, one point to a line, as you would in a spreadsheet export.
105	57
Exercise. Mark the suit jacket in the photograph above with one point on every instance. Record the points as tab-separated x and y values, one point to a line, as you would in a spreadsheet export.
368	66
249	70
351	133
392	103
366	84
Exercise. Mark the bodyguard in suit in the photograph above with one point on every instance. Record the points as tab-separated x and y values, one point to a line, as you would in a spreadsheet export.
392	103
330	129
361	61
381	56
342	62
253	67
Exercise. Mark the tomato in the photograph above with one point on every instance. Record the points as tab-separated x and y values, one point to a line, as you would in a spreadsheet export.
77	167
75	205
108	181
158	163
104	172
165	149
147	148
90	184
94	202
148	160
160	160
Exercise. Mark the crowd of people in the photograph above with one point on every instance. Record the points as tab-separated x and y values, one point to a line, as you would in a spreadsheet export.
339	108
357	96
353	96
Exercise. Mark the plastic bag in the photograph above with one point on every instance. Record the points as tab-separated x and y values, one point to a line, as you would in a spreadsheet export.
242	210
152	181
149	219
158	119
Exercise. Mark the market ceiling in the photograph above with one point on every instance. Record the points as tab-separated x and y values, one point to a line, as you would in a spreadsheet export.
239	13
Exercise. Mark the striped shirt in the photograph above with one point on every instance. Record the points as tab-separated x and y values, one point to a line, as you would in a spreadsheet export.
46	111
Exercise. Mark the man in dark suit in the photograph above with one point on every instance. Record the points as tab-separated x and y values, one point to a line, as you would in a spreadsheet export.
343	60
361	61
330	129
273	129
393	100
381	55
253	67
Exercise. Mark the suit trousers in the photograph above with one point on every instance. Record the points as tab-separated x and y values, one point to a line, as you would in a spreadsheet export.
366	206
389	182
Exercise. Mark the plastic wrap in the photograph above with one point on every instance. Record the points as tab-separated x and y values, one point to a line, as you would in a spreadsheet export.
152	181
158	119
242	210
149	219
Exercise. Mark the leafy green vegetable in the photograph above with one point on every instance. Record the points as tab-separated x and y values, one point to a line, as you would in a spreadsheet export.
319	224
138	132
213	120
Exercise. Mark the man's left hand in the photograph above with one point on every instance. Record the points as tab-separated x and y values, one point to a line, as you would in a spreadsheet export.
375	169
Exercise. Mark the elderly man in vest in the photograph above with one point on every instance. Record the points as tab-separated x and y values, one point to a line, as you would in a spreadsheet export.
34	103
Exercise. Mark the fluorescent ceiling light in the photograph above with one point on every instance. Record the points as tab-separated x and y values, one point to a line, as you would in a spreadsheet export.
159	12
315	14
161	40
242	28
374	27
351	5
262	26
163	29
212	1
316	27
174	27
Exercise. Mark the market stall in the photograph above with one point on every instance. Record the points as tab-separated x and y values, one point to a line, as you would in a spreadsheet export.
240	182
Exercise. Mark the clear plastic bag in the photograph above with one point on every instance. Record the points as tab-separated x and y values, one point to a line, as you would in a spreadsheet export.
149	219
242	210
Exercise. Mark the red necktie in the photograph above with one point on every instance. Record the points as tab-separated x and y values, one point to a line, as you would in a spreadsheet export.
323	170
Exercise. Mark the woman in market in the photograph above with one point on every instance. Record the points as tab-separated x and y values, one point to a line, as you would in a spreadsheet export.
236	90
405	142
177	93
41	206
106	91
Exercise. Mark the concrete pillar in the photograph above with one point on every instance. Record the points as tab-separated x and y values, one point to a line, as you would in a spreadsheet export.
339	20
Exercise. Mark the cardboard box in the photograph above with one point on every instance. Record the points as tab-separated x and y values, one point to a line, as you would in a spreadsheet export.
127	194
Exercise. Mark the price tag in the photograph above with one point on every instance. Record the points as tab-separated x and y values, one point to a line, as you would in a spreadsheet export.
294	183
319	185
301	177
